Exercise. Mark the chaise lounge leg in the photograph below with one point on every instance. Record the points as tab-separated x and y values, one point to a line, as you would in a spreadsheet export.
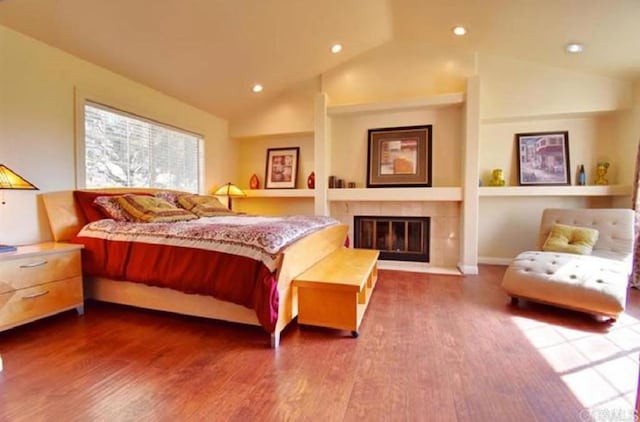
604	319
275	340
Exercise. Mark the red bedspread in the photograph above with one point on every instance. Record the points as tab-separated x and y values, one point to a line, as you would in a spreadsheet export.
232	278
231	258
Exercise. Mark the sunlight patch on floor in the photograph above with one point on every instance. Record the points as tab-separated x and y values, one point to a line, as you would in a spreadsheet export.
601	369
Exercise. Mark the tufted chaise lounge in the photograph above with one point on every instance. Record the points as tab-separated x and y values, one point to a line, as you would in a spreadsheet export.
596	283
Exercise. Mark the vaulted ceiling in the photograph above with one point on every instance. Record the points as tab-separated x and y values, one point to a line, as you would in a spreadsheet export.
209	53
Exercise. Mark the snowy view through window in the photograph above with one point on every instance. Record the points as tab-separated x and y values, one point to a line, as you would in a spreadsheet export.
125	150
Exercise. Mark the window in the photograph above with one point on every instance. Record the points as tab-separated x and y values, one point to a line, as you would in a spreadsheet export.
124	150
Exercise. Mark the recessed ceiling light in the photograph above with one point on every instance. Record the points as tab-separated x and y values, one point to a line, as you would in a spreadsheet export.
459	30
574	48
336	48
257	88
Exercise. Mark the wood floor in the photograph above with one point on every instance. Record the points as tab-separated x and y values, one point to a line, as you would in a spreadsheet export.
440	348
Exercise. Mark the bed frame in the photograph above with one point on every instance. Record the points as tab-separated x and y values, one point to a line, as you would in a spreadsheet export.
66	220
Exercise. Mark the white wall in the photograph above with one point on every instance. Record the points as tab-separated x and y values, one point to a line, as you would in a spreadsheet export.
37	84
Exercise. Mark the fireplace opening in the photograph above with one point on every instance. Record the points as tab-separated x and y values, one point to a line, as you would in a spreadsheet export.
397	238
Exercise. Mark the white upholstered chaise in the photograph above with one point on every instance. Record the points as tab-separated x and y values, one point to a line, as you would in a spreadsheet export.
596	283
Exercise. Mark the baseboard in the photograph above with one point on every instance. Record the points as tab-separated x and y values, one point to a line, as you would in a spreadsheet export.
468	269
494	261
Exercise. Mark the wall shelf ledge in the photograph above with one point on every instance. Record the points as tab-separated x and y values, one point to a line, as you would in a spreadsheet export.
443	100
593	190
279	193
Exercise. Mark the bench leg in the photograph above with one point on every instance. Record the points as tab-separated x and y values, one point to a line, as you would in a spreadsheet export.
355	334
275	340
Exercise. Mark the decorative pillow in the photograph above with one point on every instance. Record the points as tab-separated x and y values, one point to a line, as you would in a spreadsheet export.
110	207
170	197
85	200
571	239
203	205
150	209
85	203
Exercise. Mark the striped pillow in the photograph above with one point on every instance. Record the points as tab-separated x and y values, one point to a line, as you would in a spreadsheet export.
150	209
110	207
203	205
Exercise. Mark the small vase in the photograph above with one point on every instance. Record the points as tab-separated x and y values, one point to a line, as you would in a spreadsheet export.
311	180
254	182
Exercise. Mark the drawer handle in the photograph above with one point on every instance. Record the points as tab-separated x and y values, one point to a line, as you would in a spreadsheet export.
35	295
35	264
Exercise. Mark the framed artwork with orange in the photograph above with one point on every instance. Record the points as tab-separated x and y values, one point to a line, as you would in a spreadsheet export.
399	157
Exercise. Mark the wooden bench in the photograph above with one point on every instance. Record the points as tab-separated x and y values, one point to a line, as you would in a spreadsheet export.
335	292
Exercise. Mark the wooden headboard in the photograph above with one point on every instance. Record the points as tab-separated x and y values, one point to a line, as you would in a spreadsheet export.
65	217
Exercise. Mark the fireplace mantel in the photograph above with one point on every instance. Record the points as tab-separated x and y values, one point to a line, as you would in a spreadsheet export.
453	194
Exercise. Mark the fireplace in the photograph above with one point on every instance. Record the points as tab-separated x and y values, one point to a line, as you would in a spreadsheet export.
397	238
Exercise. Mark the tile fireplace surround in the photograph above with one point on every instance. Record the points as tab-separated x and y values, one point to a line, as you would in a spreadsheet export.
445	229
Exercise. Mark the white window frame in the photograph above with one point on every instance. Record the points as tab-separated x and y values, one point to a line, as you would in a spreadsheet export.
82	101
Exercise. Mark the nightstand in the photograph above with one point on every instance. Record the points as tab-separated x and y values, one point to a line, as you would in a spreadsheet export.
39	280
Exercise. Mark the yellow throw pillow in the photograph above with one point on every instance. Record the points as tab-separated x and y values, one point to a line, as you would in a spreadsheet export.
150	209
571	239
203	205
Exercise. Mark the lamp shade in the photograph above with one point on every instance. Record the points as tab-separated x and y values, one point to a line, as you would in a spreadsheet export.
10	180
229	189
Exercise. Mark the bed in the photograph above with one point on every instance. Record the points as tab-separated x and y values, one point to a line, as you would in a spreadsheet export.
67	220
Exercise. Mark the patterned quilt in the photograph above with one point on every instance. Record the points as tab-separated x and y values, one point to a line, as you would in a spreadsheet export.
258	238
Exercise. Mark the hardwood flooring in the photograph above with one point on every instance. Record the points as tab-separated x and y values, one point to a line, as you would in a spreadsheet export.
436	348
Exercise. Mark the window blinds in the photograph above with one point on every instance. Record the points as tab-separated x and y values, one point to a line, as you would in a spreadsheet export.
124	150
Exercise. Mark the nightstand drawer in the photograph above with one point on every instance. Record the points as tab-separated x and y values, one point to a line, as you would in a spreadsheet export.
27	272
32	303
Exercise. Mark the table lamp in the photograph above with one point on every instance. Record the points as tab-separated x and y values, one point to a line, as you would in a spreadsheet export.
11	180
230	191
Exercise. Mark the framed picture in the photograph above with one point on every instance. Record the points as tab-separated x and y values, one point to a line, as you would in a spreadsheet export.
282	168
399	157
543	158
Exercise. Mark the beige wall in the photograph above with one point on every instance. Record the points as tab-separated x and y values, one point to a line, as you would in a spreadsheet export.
349	142
252	157
399	70
289	112
515	88
37	86
591	139
515	97
274	206
509	225
629	130
519	97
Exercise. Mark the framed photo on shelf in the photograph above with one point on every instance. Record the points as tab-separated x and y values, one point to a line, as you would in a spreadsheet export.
282	168
543	158
399	157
